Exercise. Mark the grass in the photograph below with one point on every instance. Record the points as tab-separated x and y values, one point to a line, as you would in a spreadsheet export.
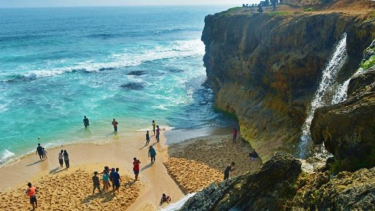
369	63
279	13
232	10
308	9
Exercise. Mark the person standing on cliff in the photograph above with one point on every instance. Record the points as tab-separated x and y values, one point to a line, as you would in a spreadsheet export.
234	135
274	2
86	122
114	124
228	170
260	9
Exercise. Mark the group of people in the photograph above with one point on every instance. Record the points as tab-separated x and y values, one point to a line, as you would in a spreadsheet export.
110	177
264	4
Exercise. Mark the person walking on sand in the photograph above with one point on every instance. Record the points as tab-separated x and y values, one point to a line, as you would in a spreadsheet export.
115	123
66	159
31	193
157	133
61	158
227	170
44	154
153	126
234	135
95	180
136	168
39	151
147	138
116	180
152	154
86	122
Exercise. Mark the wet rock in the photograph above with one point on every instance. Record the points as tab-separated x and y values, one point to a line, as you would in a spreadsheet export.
137	73
132	86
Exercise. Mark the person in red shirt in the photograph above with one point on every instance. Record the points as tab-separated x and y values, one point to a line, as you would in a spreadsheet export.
234	135
31	193
136	168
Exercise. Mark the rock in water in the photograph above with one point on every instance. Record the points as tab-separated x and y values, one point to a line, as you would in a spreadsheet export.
137	73
132	86
266	189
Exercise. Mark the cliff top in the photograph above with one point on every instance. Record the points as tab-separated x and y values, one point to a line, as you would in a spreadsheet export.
364	8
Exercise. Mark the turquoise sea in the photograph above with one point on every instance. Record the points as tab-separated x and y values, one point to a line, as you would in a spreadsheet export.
134	64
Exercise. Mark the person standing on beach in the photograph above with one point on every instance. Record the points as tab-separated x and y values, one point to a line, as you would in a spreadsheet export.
115	123
105	181
234	135
86	122
31	193
153	126
66	159
157	133
152	154
111	177
44	154
227	170
61	158
136	168
95	180
147	138
116	180
39	151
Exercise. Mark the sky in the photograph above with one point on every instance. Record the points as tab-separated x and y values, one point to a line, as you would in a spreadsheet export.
76	3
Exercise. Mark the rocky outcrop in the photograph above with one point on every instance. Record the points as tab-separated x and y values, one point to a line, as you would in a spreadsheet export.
348	129
267	189
346	191
265	68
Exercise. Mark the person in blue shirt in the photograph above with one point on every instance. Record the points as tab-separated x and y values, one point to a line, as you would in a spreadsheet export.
116	180
152	154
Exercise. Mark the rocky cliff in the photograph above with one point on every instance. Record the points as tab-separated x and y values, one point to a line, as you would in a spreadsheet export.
265	68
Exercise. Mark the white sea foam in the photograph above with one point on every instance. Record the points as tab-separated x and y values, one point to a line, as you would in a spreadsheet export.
178	49
6	155
179	204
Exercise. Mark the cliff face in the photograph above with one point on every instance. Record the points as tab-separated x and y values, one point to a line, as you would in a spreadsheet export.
265	68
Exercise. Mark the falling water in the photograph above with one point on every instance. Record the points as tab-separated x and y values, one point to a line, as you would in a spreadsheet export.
341	93
329	77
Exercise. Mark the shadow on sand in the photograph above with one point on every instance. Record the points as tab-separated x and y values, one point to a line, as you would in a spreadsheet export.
57	170
36	162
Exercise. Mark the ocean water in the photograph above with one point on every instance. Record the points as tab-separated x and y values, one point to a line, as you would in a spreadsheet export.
134	64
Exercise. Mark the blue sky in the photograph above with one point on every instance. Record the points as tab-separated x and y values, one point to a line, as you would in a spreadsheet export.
72	3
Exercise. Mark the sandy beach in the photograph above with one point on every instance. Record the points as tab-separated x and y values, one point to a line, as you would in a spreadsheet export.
179	169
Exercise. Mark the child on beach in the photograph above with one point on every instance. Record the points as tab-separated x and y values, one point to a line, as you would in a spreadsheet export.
61	158
95	180
147	138
152	154
105	181
136	168
115	123
157	133
153	126
116	180
165	198
111	177
44	154
31	193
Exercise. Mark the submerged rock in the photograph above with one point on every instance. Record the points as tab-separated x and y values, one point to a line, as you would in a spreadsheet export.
266	189
137	73
132	86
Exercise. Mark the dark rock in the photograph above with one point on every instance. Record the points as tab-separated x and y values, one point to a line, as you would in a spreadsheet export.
132	86
137	73
266	189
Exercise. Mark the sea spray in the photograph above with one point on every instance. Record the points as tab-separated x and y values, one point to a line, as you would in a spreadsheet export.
329	77
5	156
179	204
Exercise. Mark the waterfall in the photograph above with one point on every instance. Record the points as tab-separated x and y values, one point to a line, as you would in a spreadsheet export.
330	71
341	93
